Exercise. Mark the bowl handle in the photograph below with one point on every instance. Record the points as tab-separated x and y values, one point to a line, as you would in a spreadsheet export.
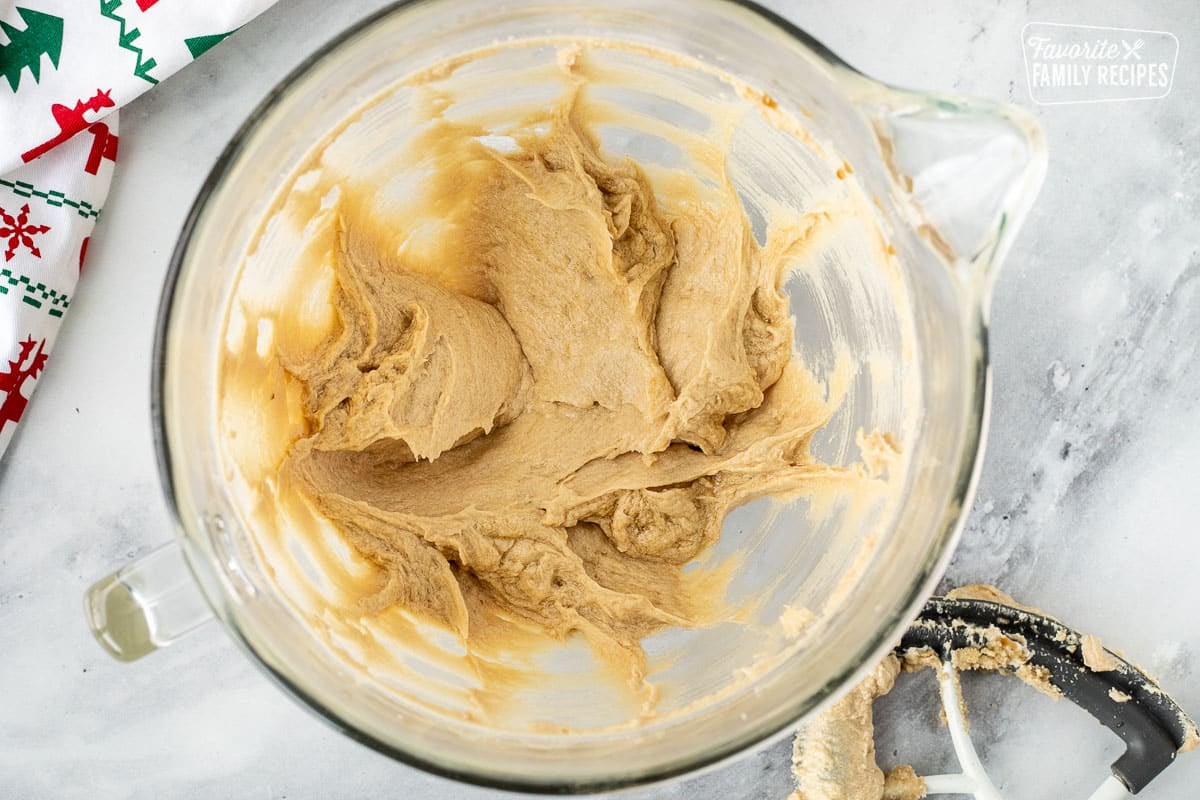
146	605
968	171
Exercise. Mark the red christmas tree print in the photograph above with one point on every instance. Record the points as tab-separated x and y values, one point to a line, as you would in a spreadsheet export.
18	372
19	232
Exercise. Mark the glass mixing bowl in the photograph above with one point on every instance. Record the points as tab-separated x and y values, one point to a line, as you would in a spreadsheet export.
951	179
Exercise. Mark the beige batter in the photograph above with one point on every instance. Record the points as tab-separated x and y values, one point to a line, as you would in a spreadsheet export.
570	436
535	423
833	756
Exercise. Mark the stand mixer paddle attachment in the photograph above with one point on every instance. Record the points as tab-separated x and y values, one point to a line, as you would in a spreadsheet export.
980	628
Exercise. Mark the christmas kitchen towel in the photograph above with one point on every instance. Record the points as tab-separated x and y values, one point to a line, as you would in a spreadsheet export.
65	68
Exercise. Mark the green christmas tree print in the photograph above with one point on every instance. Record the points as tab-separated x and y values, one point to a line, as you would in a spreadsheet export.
199	45
42	36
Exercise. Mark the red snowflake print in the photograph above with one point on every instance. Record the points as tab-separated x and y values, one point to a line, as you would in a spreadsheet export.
19	232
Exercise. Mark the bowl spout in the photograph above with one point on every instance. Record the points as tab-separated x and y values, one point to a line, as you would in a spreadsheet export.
967	170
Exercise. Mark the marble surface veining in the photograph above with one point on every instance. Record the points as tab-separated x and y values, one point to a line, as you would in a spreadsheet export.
1087	506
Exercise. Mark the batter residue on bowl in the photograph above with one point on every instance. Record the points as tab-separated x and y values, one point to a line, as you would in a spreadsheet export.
544	416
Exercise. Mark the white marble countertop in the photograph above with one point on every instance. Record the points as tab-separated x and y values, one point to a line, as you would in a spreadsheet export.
1088	504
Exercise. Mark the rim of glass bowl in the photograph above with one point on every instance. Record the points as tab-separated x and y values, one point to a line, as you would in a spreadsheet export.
920	586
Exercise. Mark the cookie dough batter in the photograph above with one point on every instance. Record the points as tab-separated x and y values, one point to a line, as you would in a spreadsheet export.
569	435
833	756
502	384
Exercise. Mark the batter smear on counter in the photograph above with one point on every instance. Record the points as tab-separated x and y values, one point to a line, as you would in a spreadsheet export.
555	414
